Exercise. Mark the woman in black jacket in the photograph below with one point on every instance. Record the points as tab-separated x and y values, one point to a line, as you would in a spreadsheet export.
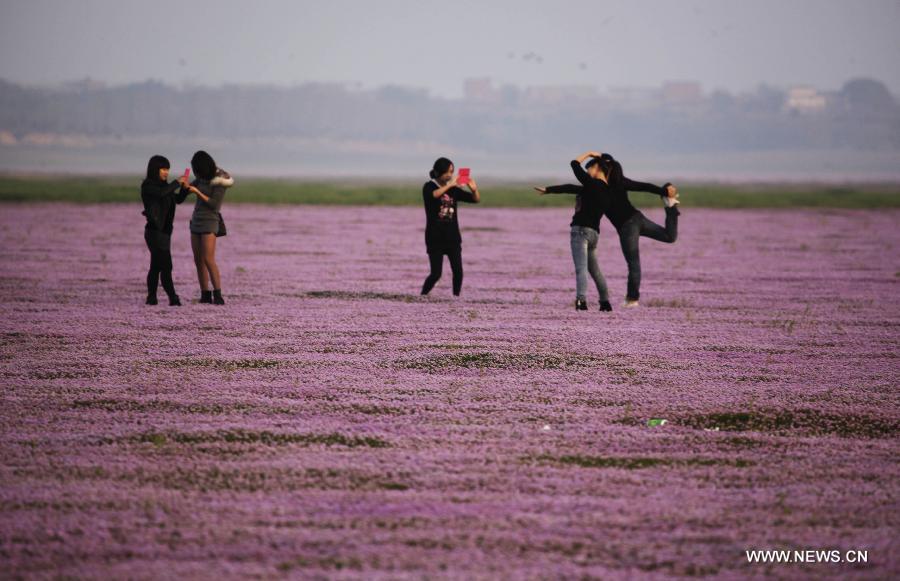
591	198
631	224
159	198
604	186
440	196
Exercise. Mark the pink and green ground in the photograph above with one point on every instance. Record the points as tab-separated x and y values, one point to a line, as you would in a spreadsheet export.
330	422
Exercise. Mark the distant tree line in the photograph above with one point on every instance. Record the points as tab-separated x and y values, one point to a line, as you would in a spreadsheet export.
863	114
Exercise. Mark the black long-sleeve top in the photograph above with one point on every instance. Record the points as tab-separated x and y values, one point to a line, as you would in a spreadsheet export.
620	209
159	200
596	195
591	197
441	221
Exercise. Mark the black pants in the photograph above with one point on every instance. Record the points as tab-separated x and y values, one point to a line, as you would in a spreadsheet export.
436	259
629	236
160	263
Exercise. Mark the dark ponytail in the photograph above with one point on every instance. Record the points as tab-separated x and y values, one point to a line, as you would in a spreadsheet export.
441	165
156	163
611	168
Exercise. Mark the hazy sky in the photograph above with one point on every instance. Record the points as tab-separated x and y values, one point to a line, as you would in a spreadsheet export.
731	44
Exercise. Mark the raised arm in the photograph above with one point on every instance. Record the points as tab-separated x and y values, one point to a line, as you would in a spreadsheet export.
441	190
162	189
581	175
182	193
473	196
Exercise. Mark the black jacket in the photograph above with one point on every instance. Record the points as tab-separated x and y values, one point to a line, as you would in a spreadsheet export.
592	197
159	200
596	198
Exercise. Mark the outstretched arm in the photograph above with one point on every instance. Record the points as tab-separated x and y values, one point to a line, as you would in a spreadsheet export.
194	190
633	186
561	189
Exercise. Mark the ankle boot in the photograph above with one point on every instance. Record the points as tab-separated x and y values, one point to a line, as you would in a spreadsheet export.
217	297
151	300
206	297
174	301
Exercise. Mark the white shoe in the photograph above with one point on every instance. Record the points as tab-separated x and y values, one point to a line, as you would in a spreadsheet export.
631	303
670	201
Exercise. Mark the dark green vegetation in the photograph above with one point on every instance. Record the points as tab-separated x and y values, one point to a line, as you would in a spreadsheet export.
87	189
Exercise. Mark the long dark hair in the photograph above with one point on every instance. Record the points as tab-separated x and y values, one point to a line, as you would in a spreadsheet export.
156	163
441	165
204	165
611	168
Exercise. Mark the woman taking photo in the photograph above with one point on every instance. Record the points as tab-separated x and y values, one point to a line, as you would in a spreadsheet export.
207	223
442	238
159	198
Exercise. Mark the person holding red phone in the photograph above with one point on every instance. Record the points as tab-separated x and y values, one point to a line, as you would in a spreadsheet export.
442	237
159	198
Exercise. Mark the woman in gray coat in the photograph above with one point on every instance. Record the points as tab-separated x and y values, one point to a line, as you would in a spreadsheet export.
206	223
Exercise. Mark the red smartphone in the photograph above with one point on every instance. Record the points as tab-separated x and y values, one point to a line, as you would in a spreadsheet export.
187	173
464	176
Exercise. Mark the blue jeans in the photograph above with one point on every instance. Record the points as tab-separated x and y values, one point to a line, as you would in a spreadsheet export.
584	254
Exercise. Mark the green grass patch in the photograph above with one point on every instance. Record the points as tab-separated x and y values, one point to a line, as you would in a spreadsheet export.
489	360
222	364
261	438
806	421
363	296
101	189
639	462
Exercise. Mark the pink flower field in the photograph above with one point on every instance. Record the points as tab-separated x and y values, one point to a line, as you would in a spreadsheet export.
330	422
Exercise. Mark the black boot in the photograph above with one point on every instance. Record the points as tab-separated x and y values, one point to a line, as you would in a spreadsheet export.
580	305
151	300
174	301
605	306
206	297
217	297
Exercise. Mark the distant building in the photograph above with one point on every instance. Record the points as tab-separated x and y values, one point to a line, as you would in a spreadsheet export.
633	98
805	100
681	93
480	90
558	94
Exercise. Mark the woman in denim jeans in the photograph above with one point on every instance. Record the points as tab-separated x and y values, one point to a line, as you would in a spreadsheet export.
604	187
591	198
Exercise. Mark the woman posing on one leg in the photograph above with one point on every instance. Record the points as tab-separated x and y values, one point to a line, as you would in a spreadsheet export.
442	236
207	223
590	202
159	198
631	224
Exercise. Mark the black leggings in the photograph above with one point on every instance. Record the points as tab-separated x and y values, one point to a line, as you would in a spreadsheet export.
160	268
436	259
629	235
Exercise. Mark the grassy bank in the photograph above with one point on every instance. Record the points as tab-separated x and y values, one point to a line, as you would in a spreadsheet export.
86	189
